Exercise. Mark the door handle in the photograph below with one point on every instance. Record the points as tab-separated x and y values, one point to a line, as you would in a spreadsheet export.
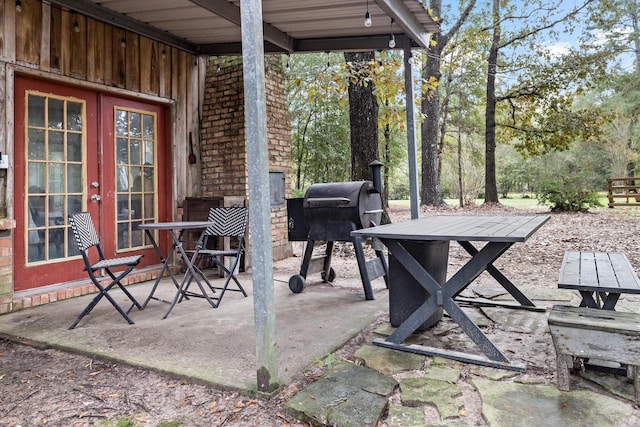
96	198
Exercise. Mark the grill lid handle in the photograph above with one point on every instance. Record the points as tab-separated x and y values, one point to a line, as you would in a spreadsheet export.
327	202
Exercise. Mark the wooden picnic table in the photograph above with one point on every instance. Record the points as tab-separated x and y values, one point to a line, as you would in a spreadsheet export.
600	277
404	243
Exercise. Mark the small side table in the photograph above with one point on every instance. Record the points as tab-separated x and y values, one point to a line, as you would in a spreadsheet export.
175	230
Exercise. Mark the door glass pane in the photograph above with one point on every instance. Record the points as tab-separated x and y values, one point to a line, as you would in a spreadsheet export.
74	204
55	113
74	178
135	127
122	123
36	141
56	227
148	127
37	177
56	145
56	178
122	151
135	175
149	152
74	116
36	111
74	147
54	150
134	152
123	235
36	222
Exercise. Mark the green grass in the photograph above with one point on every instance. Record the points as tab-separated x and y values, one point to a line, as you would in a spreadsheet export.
514	201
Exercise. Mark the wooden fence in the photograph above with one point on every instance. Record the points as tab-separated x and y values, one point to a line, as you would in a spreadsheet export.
623	191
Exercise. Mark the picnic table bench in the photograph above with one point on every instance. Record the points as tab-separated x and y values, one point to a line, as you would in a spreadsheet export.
600	277
593	333
594	330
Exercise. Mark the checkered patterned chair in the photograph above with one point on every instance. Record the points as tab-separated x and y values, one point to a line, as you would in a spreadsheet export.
228	222
86	237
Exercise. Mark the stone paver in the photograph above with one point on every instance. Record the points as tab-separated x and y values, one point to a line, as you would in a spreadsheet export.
508	398
348	395
615	384
445	396
542	294
494	373
442	373
516	320
513	404
405	416
388	361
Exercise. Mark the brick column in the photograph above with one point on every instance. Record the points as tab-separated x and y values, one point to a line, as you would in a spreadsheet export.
6	265
222	140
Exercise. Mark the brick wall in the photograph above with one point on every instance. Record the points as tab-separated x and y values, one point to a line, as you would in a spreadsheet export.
6	267
10	303
222	140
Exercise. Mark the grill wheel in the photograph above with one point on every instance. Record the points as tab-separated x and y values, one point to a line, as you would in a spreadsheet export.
296	283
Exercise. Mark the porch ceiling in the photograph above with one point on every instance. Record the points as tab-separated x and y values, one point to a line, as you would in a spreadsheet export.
213	26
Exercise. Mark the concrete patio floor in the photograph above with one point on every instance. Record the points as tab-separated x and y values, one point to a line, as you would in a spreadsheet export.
215	346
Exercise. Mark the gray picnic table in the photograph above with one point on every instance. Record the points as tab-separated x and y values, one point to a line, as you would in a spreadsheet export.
600	277
407	241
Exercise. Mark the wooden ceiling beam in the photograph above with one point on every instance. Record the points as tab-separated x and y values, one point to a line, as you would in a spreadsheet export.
335	44
405	19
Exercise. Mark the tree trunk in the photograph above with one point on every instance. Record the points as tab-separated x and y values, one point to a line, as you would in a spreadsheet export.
631	165
460	170
387	156
300	149
363	115
431	193
385	186
490	184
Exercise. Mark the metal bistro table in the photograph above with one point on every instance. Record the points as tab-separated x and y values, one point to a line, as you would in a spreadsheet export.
175	230
407	242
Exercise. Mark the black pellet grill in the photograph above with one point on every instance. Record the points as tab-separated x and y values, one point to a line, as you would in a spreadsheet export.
330	212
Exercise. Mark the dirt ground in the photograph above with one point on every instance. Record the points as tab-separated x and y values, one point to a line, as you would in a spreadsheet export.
49	387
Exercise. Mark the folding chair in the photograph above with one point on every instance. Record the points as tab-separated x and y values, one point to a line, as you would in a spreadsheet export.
86	238
228	222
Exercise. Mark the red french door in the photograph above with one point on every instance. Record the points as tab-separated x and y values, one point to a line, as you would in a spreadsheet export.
137	186
78	150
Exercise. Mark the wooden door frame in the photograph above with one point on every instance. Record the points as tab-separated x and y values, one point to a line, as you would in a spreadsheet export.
53	271
164	180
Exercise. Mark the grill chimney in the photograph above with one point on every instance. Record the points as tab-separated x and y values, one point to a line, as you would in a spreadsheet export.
376	175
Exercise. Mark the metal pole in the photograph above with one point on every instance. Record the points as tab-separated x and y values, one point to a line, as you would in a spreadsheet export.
411	134
255	114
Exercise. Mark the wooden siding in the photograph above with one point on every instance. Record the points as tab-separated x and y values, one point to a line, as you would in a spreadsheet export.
43	40
94	52
29	31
